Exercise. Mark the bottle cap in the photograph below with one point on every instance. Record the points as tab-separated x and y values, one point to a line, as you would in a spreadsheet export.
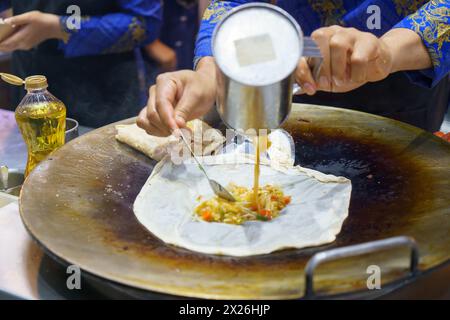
12	79
32	82
36	82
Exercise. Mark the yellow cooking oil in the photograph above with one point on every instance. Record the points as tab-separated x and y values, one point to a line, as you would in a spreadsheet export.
41	119
43	128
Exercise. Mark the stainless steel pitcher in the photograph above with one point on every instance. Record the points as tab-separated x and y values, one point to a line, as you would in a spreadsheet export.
257	47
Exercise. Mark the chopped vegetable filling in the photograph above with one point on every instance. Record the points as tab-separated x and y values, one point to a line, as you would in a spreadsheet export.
270	201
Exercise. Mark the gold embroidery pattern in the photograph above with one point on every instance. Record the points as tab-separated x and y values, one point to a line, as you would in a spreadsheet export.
216	11
432	23
329	11
406	7
135	34
67	33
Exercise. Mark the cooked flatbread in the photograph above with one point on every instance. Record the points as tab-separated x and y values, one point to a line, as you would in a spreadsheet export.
314	217
157	147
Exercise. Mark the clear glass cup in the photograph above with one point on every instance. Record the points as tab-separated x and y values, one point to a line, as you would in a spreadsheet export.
71	129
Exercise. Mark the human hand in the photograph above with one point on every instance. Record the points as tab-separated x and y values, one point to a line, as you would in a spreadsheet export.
178	97
165	56
351	58
33	28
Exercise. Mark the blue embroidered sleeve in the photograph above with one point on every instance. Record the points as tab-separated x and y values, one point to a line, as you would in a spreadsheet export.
212	15
137	24
432	24
5	4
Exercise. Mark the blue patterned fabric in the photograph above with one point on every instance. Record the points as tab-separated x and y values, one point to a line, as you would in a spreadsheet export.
432	23
431	20
137	23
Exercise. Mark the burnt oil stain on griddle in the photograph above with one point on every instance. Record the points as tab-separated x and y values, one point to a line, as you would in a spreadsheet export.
384	183
384	180
124	229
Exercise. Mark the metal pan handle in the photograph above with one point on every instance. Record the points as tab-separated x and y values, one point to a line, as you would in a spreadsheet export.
310	48
359	249
313	55
311	52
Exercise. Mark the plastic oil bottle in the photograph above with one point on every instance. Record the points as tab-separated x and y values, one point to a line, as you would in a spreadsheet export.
41	118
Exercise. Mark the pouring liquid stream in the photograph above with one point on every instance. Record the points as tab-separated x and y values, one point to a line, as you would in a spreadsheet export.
261	143
256	174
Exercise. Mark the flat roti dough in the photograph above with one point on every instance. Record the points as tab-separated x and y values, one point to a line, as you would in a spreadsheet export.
158	147
319	207
152	146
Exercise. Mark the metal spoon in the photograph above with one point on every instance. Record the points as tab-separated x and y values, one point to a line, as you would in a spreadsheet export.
218	189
